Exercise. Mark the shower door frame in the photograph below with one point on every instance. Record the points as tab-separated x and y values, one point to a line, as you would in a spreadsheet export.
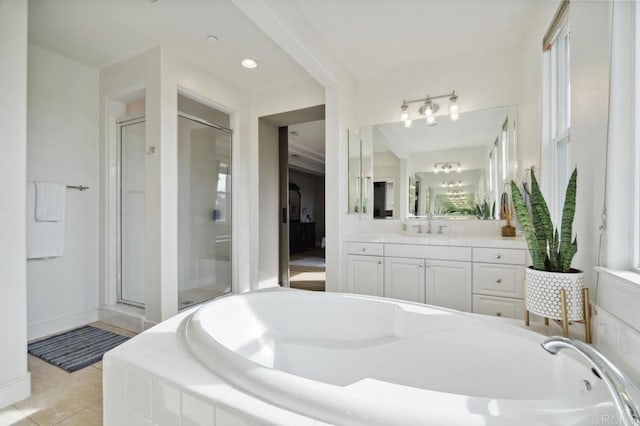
120	124
231	217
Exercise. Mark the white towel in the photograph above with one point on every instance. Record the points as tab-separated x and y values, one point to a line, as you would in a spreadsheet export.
44	239
50	201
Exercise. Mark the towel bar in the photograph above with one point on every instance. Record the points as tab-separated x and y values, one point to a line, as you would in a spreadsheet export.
78	187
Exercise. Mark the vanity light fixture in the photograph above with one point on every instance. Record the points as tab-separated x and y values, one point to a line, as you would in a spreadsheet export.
430	108
447	167
451	183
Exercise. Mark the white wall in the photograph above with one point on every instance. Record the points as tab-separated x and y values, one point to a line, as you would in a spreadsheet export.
269	185
15	381
589	87
63	148
481	81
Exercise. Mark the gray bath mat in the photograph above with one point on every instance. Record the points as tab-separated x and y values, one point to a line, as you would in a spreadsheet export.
77	348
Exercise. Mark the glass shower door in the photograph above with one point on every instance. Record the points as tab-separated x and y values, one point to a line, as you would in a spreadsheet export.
132	212
204	215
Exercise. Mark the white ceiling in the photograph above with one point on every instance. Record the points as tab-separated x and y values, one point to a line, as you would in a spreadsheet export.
102	32
374	37
473	129
306	146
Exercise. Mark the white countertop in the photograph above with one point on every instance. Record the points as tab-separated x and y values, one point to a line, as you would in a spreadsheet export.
463	240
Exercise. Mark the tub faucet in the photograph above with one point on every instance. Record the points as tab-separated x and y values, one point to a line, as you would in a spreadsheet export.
625	394
419	226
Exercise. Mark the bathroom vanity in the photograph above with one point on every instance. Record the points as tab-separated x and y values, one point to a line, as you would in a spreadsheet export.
476	273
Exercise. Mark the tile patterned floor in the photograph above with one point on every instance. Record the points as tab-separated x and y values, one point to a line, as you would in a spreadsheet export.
61	398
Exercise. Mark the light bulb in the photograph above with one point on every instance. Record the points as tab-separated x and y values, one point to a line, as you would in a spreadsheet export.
407	123
459	169
404	115
435	170
454	116
446	170
453	107
431	120
428	109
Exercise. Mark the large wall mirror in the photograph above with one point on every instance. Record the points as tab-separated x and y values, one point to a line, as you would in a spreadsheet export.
455	169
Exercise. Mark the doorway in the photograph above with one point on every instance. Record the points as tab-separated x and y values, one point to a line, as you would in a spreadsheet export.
292	199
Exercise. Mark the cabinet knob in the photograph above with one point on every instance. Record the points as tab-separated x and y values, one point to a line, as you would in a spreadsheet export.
364	249
498	256
428	265
498	314
499	280
379	262
421	265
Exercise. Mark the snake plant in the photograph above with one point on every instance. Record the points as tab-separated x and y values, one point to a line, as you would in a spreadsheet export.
550	250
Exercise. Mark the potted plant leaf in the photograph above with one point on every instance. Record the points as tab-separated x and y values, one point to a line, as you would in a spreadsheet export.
553	288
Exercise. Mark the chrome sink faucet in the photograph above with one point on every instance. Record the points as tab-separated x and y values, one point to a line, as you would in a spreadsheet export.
419	226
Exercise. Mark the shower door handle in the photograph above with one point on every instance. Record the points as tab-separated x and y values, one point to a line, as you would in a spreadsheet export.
284	215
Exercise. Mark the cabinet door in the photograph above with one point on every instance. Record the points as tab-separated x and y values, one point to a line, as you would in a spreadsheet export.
364	275
448	284
404	279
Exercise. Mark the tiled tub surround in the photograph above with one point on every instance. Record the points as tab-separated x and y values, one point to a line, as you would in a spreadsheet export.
478	273
345	359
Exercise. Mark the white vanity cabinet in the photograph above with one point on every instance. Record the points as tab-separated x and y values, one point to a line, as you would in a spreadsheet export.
437	275
498	281
404	279
365	269
484	280
448	284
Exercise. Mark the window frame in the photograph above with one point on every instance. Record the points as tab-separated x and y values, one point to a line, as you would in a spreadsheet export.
556	114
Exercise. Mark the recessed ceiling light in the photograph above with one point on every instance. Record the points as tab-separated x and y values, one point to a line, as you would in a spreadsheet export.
211	38
249	63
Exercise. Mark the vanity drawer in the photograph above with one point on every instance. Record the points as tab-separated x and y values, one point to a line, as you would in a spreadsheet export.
502	256
498	306
498	280
367	249
462	254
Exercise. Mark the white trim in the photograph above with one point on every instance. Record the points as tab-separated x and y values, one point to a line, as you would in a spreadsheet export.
635	218
15	390
60	323
619	293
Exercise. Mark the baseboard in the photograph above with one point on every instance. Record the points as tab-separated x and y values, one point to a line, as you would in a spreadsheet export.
60	323
15	390
124	316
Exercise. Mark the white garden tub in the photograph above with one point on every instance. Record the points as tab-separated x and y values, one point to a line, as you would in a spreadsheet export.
348	359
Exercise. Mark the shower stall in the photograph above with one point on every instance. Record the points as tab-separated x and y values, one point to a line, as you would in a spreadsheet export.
204	210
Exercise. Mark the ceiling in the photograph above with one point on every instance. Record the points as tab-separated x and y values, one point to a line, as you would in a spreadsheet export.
99	33
375	37
306	146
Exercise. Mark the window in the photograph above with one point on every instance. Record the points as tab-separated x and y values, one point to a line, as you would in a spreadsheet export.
557	112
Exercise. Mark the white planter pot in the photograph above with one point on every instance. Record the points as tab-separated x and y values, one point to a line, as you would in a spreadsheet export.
542	293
